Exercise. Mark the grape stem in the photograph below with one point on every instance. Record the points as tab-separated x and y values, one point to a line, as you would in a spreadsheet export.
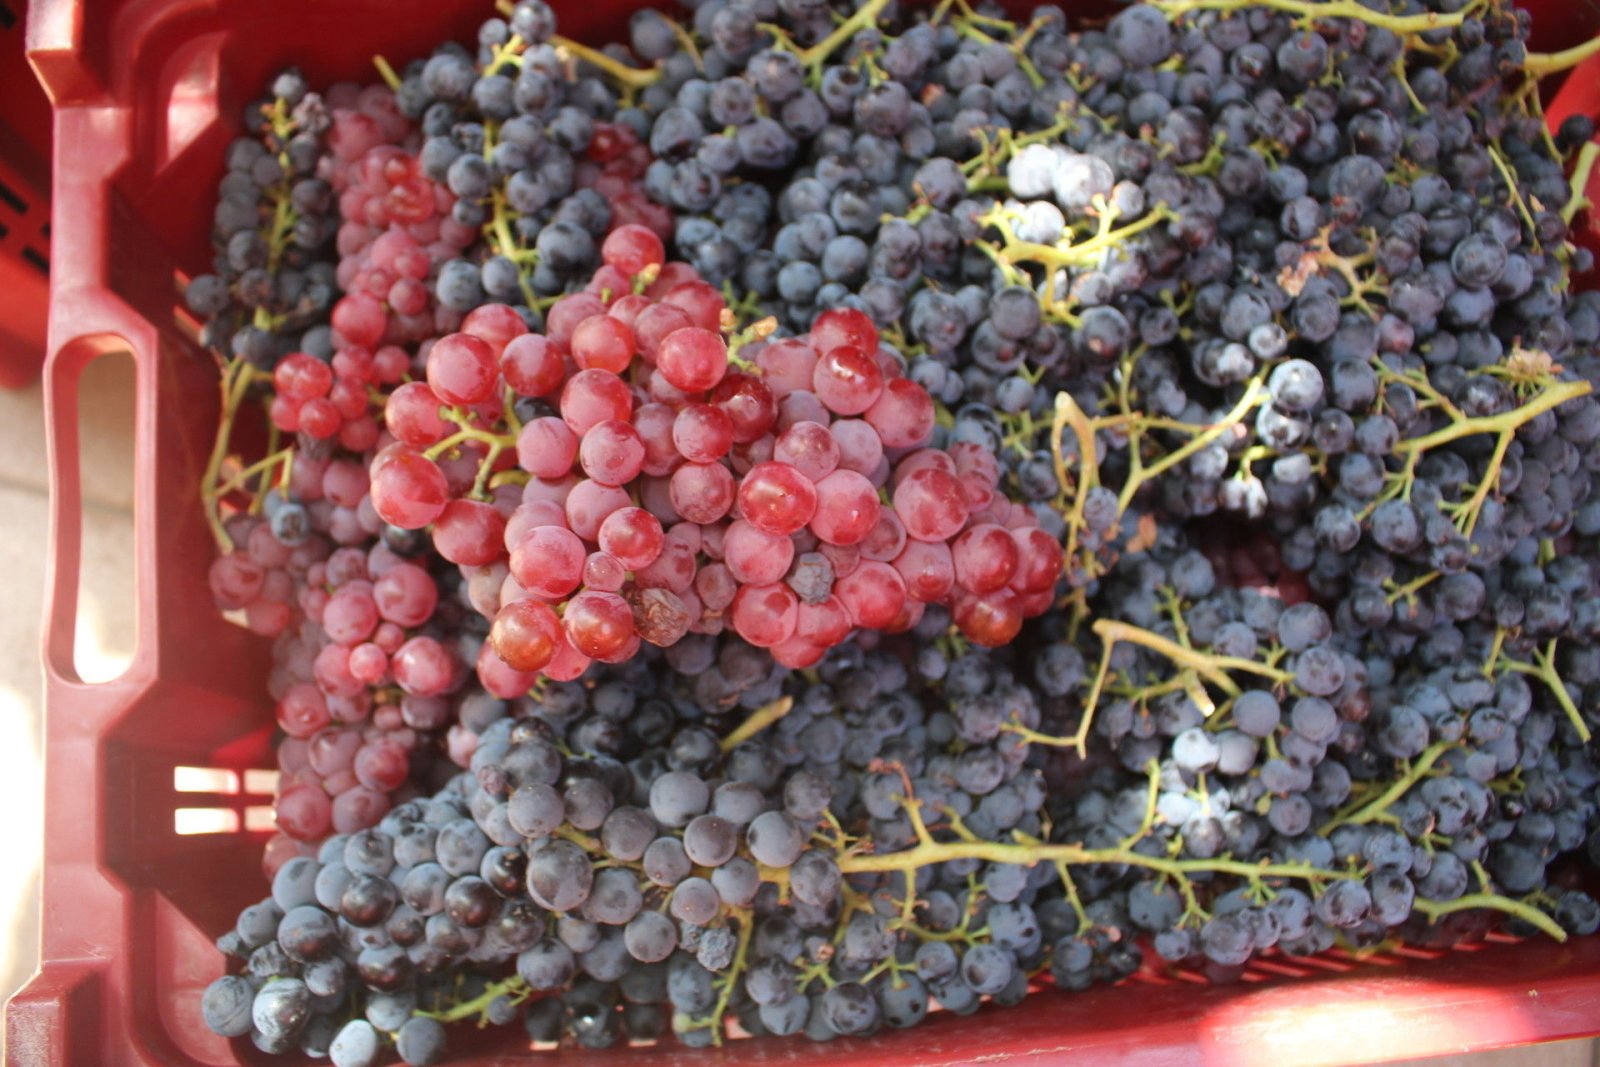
1542	64
812	58
513	987
1370	811
1581	172
1543	668
745	921
237	377
1436	909
1323	9
387	73
628	77
759	720
1505	425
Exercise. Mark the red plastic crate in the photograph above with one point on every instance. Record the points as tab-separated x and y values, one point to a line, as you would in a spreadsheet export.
146	95
24	206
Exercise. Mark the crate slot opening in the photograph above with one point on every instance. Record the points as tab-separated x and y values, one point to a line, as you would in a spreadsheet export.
260	783
205	780
259	819
188	822
10	197
103	639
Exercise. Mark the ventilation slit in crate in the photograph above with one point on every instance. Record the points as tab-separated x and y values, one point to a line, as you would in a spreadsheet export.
260	783
205	780
12	200
259	818
188	822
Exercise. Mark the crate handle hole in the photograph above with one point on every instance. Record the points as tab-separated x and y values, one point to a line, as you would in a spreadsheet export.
190	822
104	631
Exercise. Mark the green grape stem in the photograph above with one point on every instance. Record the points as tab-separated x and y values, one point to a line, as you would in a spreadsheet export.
631	78
1543	668
728	982
1322	9
1541	64
1370	811
759	720
513	987
1505	425
1581	172
237	377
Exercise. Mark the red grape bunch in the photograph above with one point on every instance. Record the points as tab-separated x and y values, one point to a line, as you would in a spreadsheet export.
680	477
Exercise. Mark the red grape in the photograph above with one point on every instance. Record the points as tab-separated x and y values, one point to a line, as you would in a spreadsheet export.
702	301
548	562
303	710
985	558
406	595
526	635
1039	561
598	624
692	359
991	620
673	569
872	594
765	615
603	571
715	584
588	505
422	666
604	342
532	365
350	615
749	405
655	423
654	324
860	447
903	414
702	433
787	365
931	504
847	508
592	396
546	447
777	498
809	448
797	653
887	538
826	623
754	556
470	533
928	569
462	369
495	325
847	380
843	326
409	491
299	377
498	677
633	536
702	492
611	452
565	315
632	248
